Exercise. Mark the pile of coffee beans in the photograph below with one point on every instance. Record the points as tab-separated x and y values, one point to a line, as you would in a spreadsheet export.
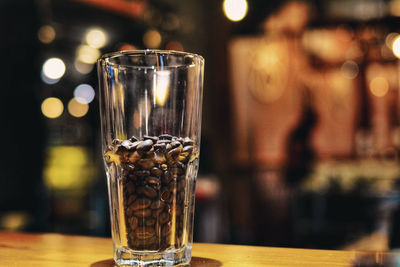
153	181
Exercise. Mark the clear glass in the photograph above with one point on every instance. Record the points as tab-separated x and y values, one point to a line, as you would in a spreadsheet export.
150	108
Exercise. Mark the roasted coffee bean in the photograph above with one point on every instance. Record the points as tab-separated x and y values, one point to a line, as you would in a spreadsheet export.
147	191
188	142
173	154
133	222
133	157
165	137
146	163
150	222
130	188
157	204
164	142
168	147
156	171
150	153
133	139
183	157
141	173
175	144
156	213
142	213
170	199
152	138
131	199
159	158
164	217
129	211
132	177
145	232
144	146
128	167
151	180
167	177
188	149
159	148
126	145
165	230
141	203
165	194
115	142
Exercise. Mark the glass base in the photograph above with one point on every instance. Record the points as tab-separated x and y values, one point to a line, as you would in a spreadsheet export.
172	257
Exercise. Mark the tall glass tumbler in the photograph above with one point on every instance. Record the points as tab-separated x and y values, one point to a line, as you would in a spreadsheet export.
150	108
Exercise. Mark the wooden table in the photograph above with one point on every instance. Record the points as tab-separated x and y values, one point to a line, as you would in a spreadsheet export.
18	249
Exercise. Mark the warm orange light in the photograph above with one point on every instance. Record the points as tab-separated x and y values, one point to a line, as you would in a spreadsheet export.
46	34
77	109
174	45
127	47
379	86
152	39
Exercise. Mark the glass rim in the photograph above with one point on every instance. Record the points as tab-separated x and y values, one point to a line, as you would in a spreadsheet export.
117	54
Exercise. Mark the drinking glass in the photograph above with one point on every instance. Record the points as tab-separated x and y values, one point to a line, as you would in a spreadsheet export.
150	108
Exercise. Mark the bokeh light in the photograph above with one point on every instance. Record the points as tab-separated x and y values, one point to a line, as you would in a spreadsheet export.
152	39
125	47
235	10
67	167
46	34
379	86
84	93
394	8
82	67
53	68
349	69
87	54
77	109
396	47
52	107
174	45
390	39
47	80
96	38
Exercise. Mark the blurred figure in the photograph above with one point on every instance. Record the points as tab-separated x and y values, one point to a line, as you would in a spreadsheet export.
299	148
275	119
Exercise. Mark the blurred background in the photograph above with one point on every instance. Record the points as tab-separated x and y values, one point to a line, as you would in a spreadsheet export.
301	116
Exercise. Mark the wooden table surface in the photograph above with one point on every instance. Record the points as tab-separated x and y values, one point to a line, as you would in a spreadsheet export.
20	249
